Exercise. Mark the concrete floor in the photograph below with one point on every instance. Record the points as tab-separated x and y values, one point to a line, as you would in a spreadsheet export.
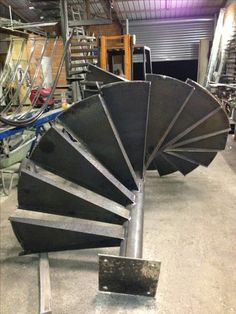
190	226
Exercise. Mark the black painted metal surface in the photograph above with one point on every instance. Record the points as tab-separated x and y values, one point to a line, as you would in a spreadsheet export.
200	106
90	121
199	158
215	121
163	165
128	104
39	232
199	123
89	171
101	76
51	195
167	97
208	142
78	166
182	165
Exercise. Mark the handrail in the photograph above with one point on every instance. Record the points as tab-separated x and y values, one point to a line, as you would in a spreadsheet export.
14	72
26	122
5	69
34	77
14	98
37	94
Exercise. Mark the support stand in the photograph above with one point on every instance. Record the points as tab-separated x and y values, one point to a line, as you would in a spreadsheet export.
129	273
45	285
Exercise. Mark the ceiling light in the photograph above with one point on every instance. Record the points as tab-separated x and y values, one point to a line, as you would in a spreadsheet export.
31	8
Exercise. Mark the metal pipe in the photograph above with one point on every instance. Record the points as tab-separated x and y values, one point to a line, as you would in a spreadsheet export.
10	13
31	85
14	74
64	20
14	98
215	49
5	69
124	242
41	111
133	243
65	31
127	26
36	97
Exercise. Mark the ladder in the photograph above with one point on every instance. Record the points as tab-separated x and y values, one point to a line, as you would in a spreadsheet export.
83	50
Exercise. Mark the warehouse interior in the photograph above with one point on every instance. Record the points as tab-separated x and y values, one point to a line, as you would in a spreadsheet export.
118	156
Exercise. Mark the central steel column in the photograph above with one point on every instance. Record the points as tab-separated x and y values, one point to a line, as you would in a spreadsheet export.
132	246
129	273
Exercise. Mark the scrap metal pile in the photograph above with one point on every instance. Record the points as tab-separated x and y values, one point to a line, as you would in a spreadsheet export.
83	185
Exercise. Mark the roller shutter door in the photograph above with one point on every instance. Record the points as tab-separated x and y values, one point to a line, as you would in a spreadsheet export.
172	39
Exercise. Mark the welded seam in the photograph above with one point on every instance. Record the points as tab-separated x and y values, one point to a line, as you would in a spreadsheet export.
199	138
152	156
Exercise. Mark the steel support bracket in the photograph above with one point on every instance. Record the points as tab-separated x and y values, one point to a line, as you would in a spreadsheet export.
135	276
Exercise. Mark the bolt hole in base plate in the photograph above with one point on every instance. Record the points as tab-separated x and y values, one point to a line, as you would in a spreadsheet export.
126	275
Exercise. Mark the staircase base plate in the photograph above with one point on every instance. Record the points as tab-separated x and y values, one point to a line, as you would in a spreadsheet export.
126	275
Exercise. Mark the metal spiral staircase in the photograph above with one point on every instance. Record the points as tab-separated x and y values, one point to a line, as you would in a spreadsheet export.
83	185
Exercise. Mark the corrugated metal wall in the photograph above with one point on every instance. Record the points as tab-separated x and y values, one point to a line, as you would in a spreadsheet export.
172	39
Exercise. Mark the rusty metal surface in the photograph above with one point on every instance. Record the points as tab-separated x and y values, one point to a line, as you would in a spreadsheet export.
128	275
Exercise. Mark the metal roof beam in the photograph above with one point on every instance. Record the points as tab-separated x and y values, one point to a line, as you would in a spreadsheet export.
174	9
14	11
9	31
106	5
90	22
108	8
